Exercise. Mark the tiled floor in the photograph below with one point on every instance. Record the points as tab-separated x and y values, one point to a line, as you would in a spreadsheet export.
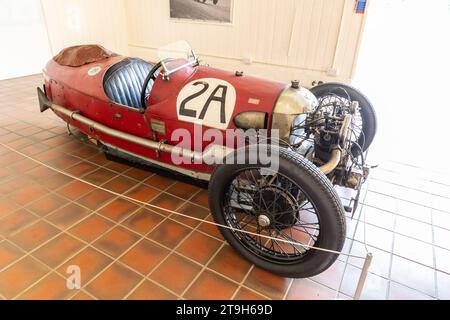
49	222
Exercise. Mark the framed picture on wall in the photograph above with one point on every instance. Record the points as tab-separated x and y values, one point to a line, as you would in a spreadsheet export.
217	11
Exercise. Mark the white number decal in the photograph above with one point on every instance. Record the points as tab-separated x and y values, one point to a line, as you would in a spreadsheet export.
209	102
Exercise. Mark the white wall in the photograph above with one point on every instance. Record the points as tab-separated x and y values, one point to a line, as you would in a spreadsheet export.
285	39
25	46
74	22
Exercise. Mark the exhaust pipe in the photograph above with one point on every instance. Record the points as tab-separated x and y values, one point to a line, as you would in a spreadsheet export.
336	154
196	157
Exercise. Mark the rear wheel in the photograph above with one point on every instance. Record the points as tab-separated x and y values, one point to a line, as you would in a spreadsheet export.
366	126
296	204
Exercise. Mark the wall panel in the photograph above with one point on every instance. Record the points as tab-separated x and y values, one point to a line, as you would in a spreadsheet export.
73	22
305	39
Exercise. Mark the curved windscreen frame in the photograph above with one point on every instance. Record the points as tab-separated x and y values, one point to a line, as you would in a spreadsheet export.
176	56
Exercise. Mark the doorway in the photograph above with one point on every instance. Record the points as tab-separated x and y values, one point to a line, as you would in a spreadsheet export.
404	68
25	44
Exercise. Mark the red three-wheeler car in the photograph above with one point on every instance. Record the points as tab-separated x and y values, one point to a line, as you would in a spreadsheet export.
271	152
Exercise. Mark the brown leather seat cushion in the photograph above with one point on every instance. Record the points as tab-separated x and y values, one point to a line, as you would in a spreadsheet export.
80	55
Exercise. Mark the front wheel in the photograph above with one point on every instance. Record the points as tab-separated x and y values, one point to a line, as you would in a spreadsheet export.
296	203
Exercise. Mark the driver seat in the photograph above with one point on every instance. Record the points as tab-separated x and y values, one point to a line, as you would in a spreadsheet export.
123	82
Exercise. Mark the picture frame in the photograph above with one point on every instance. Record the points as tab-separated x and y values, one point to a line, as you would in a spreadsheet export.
202	11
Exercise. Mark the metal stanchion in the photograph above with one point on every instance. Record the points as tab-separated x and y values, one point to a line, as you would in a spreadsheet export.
363	277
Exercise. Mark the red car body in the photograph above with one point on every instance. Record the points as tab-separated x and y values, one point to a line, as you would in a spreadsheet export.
76	90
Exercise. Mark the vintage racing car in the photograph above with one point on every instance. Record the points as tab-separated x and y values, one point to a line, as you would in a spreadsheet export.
207	124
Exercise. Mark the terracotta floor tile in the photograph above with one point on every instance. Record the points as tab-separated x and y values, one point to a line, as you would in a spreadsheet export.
210	228
40	173
210	286
20	276
23	166
82	296
58	250
114	283
267	283
170	233
176	281
143	221
138	174
86	152
120	184
68	215
143	193
52	287
118	210
199	247
305	289
46	205
75	190
246	295
90	261
399	292
166	201
27	194
413	275
91	228
99	159
7	206
183	190
201	198
15	221
230	264
81	169
150	291
191	210
117	167
99	176
144	256
159	182
56	181
375	287
414	249
95	199
13	185
116	241
8	254
333	276
35	235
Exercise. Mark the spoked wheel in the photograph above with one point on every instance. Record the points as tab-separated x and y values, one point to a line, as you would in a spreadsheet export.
365	126
276	217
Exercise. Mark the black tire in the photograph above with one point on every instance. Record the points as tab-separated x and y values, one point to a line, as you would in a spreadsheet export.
216	1
315	185
368	115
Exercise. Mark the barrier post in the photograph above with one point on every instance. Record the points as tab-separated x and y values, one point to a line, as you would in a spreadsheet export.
363	277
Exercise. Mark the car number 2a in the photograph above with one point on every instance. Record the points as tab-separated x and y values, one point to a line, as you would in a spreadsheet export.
209	102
